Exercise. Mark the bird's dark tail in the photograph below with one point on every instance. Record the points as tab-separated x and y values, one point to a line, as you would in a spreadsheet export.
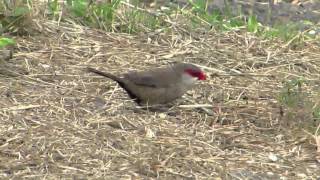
120	81
105	74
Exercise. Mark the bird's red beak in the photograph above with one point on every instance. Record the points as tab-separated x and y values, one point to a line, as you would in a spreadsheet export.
202	76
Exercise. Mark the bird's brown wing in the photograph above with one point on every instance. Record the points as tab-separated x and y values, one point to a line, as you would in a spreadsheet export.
158	78
144	80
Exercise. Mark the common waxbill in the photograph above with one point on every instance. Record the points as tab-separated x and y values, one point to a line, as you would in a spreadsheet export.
157	86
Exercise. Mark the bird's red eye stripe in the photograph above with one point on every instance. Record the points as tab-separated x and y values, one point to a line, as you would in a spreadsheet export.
199	74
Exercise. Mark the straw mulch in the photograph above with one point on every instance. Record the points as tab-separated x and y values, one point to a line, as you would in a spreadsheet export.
59	121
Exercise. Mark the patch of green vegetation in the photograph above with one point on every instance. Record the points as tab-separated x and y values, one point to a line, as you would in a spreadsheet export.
199	9
94	14
301	109
229	22
291	94
53	8
199	6
284	31
15	16
6	42
103	15
220	21
252	25
137	21
78	8
237	22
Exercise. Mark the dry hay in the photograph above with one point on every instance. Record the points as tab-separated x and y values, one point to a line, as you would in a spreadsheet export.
58	121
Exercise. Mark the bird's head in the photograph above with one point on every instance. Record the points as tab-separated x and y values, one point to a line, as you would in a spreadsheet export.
193	71
190	72
196	73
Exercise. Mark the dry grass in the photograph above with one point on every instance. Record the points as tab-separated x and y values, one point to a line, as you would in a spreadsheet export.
58	121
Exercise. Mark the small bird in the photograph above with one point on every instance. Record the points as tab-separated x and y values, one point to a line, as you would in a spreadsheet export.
159	85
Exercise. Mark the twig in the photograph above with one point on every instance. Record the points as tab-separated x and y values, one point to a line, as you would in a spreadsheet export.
203	107
22	107
195	106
